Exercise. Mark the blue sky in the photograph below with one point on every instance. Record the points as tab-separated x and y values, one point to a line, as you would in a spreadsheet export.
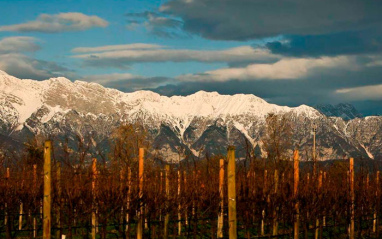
287	52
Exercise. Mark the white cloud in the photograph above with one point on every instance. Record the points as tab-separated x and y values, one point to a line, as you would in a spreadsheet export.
288	68
137	46
62	22
371	92
18	44
124	58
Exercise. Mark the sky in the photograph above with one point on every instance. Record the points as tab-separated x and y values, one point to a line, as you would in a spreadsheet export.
287	52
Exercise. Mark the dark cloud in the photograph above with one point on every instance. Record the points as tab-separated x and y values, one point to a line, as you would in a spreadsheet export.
22	66
250	19
351	42
25	67
139	84
144	14
369	107
95	61
127	82
157	24
18	44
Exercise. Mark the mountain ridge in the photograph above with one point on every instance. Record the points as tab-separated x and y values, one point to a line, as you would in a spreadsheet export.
59	106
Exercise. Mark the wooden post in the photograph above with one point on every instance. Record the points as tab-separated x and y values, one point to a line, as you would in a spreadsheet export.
185	186
317	230
94	208
34	184
275	223
179	205
21	216
6	221
59	193
295	192
140	176
121	228
375	219
351	175
161	191
221	193
231	174
167	188
128	201
324	217
47	202
306	224
265	185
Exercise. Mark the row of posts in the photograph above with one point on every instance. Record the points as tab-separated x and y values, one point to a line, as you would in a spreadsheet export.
231	181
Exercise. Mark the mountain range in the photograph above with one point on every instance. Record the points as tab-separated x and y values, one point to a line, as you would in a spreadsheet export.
197	124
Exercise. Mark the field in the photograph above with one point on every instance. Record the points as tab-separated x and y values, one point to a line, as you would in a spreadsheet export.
114	199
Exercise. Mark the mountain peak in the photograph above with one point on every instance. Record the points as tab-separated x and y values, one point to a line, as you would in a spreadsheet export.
203	93
145	94
62	80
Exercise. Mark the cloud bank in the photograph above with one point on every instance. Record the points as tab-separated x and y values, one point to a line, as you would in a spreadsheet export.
288	69
156	24
243	20
127	82
62	22
122	56
18	44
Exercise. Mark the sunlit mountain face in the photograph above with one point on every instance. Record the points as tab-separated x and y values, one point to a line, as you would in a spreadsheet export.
197	124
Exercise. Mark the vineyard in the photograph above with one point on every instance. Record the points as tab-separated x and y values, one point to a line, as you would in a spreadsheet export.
217	197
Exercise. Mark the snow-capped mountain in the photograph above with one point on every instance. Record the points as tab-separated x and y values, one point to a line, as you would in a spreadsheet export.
199	123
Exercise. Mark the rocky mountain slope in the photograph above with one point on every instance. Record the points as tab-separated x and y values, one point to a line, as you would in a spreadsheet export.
204	122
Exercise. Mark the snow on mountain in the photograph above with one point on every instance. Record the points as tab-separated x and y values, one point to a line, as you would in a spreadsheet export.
60	95
204	121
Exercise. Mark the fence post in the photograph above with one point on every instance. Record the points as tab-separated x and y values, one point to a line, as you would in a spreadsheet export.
21	216
186	208
326	182
140	176
47	201
121	187
167	188
351	175
265	185
129	185
221	193
59	192
94	179
6	218
179	205
160	191
231	174
375	219
34	183
295	192
275	223
317	230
